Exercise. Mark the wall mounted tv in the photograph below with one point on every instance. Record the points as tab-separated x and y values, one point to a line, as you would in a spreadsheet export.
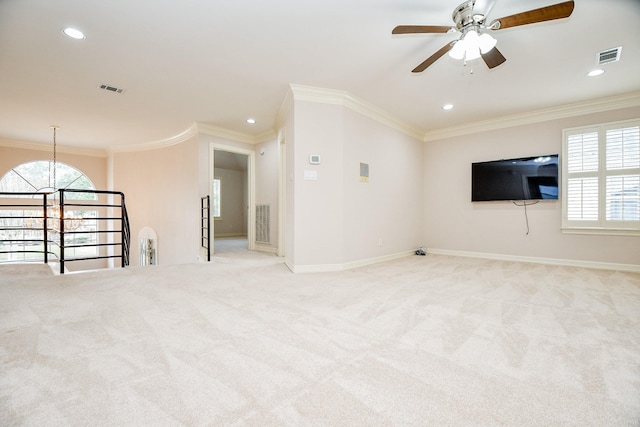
528	178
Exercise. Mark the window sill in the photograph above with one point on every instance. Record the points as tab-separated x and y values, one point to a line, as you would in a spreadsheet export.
601	231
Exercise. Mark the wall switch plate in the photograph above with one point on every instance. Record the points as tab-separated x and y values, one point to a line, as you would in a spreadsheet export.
310	175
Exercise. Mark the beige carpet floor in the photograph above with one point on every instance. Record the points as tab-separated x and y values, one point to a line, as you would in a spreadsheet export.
420	341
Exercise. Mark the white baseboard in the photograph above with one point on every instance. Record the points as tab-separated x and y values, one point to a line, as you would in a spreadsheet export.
225	235
323	268
538	260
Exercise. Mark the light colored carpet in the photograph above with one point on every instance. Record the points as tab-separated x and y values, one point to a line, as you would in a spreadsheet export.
419	341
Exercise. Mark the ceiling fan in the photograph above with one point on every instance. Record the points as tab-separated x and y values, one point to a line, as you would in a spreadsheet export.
475	41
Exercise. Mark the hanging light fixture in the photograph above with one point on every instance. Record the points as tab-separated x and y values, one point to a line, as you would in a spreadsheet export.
53	212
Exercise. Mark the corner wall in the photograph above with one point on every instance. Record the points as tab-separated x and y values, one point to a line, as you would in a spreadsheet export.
339	221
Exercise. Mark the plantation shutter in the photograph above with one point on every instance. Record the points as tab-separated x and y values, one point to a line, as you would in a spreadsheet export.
623	174
601	176
582	185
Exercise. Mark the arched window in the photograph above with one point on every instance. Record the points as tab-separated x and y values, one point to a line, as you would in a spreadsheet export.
40	177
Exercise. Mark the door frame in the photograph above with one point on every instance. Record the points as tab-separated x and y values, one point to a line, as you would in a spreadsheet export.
282	192
251	185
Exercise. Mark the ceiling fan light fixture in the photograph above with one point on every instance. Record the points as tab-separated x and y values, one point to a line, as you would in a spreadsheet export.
457	52
486	43
472	52
472	45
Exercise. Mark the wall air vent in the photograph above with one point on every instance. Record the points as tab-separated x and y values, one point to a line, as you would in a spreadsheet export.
609	55
263	222
110	88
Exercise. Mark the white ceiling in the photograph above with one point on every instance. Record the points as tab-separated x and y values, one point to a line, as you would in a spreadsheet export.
220	62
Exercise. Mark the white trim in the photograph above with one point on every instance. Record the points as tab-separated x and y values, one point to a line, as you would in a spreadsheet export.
324	268
265	136
601	231
633	268
345	99
228	235
213	130
186	134
285	108
282	194
554	113
82	151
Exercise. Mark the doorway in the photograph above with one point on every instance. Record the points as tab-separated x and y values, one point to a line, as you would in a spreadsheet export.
232	197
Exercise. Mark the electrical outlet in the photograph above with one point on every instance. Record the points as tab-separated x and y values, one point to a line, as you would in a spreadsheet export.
379	241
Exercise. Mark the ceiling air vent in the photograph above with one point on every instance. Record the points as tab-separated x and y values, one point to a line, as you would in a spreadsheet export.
609	55
111	88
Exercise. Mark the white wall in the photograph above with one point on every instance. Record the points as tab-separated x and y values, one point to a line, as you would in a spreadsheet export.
288	135
339	220
453	223
162	192
318	204
383	216
267	175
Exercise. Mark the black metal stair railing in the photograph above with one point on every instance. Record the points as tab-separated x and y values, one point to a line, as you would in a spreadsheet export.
205	225
54	231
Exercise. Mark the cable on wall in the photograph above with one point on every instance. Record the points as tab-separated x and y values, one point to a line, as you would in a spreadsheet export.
526	216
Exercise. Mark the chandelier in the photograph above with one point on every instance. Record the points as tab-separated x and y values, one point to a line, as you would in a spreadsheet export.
54	214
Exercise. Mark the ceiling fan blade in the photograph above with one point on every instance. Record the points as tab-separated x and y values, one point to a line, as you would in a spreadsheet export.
548	13
493	58
419	29
433	58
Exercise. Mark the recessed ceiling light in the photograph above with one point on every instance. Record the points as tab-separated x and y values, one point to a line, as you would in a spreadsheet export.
251	121
595	72
73	33
447	106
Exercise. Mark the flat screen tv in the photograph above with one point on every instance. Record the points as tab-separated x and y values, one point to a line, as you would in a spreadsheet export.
528	178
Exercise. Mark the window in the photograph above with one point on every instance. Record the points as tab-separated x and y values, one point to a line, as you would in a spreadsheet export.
601	178
38	176
216	198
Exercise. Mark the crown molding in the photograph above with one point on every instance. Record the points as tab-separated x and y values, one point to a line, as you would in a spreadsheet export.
547	114
37	146
285	108
266	136
345	99
213	130
186	134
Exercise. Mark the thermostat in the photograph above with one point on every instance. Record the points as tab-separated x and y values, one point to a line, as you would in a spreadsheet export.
314	159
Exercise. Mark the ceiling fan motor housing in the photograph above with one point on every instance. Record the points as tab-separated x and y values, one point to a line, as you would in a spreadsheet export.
463	16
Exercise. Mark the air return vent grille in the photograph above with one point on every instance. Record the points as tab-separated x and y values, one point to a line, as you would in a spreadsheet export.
609	55
263	221
110	88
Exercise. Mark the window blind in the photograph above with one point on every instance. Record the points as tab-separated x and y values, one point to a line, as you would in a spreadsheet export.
601	176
